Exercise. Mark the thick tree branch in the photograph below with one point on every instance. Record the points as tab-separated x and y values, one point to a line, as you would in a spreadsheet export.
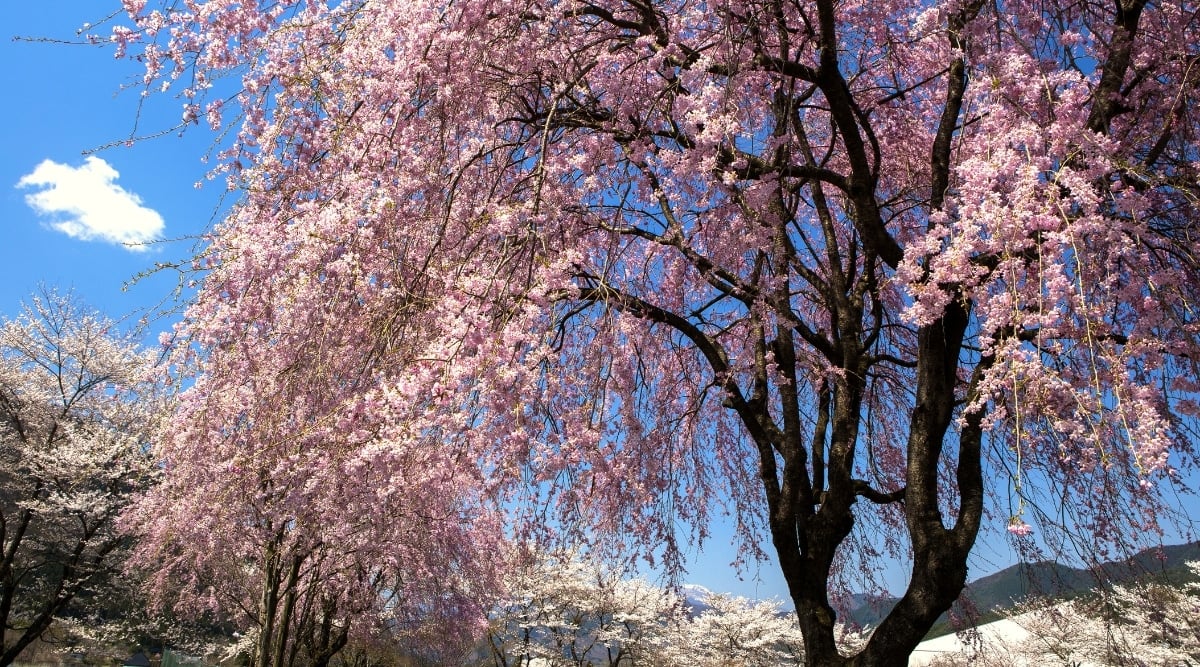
1106	104
863	489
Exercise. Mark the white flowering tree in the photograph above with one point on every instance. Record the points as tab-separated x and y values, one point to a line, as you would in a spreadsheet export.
562	610
1131	625
565	611
1135	624
733	631
77	406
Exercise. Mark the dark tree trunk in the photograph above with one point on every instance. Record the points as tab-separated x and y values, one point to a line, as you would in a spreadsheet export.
268	605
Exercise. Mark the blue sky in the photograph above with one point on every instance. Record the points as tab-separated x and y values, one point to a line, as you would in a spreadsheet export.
65	214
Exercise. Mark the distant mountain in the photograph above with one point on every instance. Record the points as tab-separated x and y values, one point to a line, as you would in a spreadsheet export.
1047	578
694	596
985	597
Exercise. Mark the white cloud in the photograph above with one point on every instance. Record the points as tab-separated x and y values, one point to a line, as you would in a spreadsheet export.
86	203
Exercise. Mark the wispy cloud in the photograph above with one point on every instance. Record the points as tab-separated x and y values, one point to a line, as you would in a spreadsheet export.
86	203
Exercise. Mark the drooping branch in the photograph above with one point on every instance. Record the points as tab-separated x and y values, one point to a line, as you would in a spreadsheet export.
598	292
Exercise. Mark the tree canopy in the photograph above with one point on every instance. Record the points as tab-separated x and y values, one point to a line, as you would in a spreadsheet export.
865	275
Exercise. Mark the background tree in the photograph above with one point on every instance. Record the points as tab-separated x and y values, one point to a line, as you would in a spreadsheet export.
1132	624
731	630
78	405
1140	623
821	264
563	610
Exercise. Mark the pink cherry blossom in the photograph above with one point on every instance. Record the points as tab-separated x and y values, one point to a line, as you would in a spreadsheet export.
854	275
